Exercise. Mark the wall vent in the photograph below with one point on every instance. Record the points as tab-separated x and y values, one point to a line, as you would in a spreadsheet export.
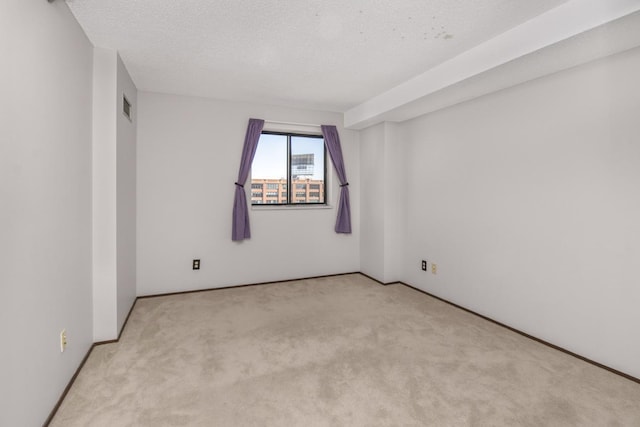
126	107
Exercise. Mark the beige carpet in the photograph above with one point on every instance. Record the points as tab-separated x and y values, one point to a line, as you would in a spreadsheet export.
339	351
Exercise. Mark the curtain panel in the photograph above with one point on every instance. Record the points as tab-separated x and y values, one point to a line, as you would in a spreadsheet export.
241	229
332	142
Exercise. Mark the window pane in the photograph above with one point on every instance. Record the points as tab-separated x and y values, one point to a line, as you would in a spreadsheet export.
307	169
269	170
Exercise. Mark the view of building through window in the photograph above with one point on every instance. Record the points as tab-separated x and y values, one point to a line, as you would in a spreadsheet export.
305	191
288	169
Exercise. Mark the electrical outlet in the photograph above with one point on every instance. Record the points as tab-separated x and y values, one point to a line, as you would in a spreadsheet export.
196	264
434	268
424	265
63	340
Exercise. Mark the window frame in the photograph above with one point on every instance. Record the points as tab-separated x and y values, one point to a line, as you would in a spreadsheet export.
290	196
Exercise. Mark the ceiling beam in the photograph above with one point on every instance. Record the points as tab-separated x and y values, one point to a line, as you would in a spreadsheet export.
550	28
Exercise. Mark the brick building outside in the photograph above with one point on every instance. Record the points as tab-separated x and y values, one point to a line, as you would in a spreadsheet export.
274	191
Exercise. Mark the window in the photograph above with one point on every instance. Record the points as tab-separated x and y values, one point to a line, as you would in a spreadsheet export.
289	164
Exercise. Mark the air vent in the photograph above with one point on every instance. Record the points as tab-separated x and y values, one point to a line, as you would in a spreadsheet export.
126	107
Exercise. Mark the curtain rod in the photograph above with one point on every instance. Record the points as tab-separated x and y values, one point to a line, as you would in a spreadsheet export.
292	123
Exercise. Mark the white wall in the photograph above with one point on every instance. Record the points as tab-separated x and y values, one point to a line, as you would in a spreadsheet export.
114	195
188	158
45	214
126	194
104	193
527	199
372	199
382	199
394	206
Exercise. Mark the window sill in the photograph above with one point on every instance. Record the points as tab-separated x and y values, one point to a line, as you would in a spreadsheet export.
288	207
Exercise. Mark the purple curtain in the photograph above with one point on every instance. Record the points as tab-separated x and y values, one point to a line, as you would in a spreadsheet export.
332	142
241	229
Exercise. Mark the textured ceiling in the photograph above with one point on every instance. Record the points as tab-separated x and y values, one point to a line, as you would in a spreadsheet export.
323	54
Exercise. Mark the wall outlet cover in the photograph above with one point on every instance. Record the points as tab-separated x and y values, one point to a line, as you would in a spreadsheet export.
63	340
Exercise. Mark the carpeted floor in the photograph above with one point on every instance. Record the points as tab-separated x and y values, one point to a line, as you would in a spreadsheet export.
338	351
